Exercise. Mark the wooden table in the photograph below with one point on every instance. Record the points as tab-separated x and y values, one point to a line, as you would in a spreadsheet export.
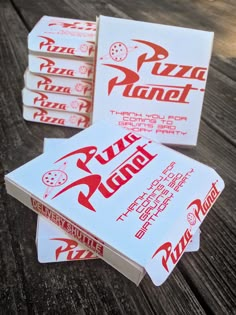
203	282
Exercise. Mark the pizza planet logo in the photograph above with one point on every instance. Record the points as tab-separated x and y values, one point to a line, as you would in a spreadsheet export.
155	62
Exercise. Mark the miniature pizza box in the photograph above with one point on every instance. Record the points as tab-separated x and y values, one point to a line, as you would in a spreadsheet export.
57	84
133	202
64	37
151	78
53	244
54	117
60	66
54	101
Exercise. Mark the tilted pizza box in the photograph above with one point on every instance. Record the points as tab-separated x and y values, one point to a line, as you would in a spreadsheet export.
54	245
151	78
56	101
133	202
54	117
64	37
57	84
60	66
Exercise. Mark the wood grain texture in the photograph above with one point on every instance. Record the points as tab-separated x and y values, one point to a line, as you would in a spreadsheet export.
217	16
203	282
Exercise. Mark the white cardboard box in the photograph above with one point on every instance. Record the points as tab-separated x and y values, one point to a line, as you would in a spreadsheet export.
65	37
53	245
151	78
54	117
54	101
57	84
131	201
60	66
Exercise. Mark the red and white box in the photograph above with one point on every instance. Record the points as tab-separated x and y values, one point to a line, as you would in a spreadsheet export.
60	66
151	78
58	84
54	101
54	245
133	202
54	117
64	37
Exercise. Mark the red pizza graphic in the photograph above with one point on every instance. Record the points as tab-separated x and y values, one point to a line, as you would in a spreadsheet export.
74	104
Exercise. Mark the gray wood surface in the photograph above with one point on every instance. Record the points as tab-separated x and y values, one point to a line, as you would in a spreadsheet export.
203	282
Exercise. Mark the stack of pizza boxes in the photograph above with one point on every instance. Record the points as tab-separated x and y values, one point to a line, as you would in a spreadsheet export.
58	81
149	85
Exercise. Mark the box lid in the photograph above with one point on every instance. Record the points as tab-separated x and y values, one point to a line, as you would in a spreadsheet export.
53	245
